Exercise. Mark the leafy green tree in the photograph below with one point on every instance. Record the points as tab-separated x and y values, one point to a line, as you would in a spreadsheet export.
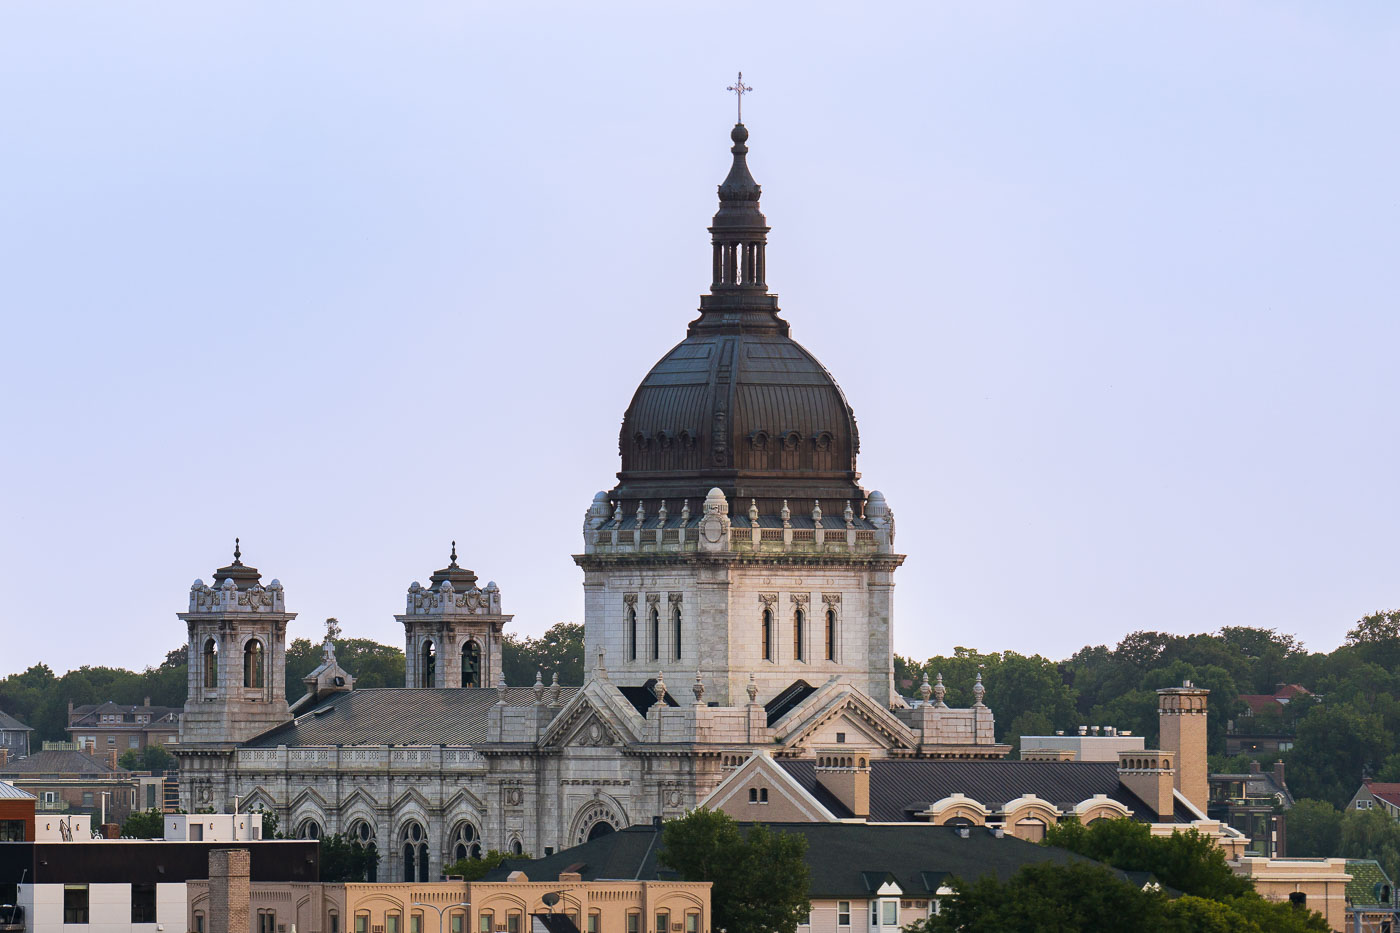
150	758
558	651
760	878
372	664
1048	896
1337	745
149	824
345	859
474	869
1314	829
1369	834
1377	636
1189	861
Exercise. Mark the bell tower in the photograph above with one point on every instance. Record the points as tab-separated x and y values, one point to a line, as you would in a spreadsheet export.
237	656
452	630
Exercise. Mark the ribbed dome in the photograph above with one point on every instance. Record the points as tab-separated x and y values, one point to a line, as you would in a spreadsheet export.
739	404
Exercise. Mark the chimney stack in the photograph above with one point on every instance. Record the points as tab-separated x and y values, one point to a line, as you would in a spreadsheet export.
1181	718
230	891
848	781
1149	774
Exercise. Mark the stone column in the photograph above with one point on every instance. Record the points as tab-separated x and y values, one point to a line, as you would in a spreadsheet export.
230	892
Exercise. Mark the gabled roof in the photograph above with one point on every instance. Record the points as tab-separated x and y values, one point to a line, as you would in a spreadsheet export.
87	714
11	724
396	716
843	858
902	788
60	762
1389	792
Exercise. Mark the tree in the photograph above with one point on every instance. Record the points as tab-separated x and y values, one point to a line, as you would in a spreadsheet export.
345	859
151	758
1189	861
1314	829
145	825
1337	745
760	878
474	869
558	651
1370	833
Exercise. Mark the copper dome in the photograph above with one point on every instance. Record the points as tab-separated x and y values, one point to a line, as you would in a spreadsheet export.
739	404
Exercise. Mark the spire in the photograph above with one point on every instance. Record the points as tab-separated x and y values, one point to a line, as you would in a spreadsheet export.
739	301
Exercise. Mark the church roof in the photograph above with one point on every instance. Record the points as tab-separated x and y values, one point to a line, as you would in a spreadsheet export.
844	859
397	716
900	788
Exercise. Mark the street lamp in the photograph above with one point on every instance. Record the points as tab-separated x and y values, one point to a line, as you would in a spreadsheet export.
441	909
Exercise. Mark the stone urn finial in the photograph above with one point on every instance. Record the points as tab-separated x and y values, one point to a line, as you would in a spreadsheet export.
925	691
660	687
939	691
978	691
698	688
752	689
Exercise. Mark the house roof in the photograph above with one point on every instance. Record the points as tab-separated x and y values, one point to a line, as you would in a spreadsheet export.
844	859
55	761
1367	877
901	788
1389	792
1258	784
11	724
397	716
87	714
9	791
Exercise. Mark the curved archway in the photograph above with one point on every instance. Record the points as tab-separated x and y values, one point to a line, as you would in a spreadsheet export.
601	828
465	842
362	834
309	829
427	664
471	664
211	664
413	847
594	815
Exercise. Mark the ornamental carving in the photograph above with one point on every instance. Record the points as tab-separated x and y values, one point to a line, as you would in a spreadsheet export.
629	600
801	600
674	598
769	600
831	600
653	599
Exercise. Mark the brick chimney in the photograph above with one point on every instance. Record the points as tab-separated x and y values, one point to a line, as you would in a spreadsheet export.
848	778
1150	773
1181	718
112	758
230	891
4	756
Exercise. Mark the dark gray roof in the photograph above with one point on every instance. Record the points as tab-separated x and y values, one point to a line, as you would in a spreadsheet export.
11	724
900	788
844	859
397	716
59	762
85	714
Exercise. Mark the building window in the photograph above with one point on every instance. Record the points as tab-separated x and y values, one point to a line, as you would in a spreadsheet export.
267	922
12	831
763	795
831	634
362	923
415	923
427	667
1363	804
199	921
843	913
595	923
692	922
75	903
631	633
334	920
211	664
143	903
513	921
111	741
133	741
768	634
676	629
253	665
753	795
456	923
634	922
391	924
799	625
663	921
655	633
415	852
1298	899
471	665
486	922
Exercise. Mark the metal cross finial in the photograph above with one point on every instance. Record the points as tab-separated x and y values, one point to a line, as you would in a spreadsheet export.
740	90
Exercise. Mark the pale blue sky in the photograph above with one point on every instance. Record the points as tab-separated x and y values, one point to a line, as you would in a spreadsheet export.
1111	288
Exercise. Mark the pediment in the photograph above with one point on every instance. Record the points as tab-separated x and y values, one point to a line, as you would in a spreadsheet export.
309	796
599	714
844	709
411	797
592	732
464	799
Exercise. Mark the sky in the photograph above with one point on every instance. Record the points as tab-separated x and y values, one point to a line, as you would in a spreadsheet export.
1111	287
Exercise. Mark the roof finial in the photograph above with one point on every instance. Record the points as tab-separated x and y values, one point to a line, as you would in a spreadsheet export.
237	554
740	89
454	554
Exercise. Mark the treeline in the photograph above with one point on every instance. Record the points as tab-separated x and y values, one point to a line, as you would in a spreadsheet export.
1349	729
39	698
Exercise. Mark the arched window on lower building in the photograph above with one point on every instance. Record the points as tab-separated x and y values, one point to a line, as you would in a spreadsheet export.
471	665
768	634
631	633
253	676
427	664
799	631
